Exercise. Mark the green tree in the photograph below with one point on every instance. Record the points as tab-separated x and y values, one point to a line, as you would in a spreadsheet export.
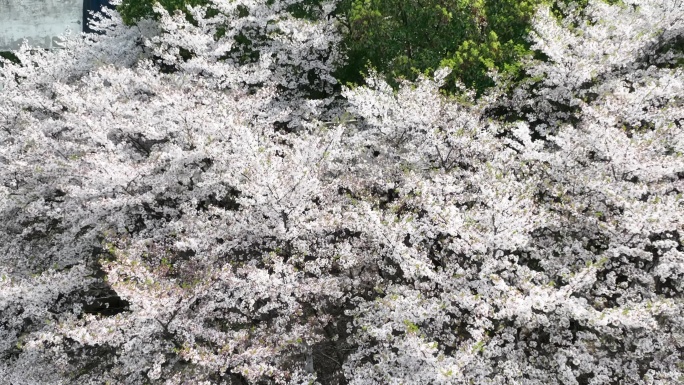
402	38
9	56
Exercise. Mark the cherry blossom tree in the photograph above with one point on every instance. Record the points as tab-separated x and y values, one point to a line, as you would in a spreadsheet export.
190	200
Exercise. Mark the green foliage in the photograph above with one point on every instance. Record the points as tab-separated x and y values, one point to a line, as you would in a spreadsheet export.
478	347
403	38
9	56
305	9
411	328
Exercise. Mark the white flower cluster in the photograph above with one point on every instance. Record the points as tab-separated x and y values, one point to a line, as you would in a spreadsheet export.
193	201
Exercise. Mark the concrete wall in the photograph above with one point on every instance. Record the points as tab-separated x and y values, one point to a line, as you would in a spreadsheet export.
38	21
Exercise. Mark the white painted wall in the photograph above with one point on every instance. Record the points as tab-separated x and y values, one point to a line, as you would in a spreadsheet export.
38	21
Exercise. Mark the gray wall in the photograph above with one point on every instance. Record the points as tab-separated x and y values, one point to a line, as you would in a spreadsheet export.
38	21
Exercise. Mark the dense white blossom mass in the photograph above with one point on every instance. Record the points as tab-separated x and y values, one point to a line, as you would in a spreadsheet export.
194	200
